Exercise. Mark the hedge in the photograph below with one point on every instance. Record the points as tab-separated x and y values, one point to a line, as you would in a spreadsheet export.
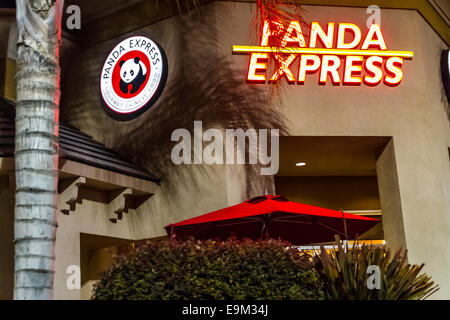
265	269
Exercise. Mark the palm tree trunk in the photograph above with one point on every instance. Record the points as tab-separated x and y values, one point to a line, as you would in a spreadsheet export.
36	146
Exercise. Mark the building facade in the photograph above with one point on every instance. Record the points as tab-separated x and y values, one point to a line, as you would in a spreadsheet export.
380	150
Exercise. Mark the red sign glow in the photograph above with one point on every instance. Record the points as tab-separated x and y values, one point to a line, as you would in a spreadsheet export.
332	53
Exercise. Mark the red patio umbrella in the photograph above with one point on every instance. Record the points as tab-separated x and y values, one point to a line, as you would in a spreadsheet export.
274	217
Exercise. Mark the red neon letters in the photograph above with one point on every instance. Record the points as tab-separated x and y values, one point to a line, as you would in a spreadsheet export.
331	53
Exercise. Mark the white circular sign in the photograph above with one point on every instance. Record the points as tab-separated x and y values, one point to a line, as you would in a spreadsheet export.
133	77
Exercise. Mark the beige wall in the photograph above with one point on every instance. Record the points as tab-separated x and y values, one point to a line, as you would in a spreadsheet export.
7	65
391	202
93	262
147	221
349	193
6	21
414	113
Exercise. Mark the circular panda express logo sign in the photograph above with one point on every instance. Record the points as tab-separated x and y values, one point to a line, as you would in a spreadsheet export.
133	77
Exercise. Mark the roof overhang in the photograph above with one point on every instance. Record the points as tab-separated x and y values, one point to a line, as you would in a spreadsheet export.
143	13
78	182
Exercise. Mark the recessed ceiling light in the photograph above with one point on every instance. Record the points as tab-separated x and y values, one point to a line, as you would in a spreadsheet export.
300	164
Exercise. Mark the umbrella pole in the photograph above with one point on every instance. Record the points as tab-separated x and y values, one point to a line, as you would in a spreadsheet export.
265	233
345	224
263	230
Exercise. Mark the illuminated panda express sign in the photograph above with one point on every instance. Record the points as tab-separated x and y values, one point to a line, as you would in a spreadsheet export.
340	54
133	77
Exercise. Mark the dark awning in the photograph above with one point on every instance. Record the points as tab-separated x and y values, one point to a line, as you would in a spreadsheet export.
74	145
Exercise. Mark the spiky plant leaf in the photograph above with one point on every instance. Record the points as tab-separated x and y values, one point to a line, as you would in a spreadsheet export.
344	274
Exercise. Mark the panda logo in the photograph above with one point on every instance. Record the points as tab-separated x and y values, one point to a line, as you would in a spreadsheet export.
132	78
132	72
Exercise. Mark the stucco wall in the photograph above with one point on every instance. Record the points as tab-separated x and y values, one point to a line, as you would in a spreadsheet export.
414	114
147	221
349	193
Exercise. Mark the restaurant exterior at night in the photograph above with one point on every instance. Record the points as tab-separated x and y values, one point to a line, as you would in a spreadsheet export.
357	96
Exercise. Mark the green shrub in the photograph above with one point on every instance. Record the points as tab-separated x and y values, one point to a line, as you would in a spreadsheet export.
344	274
211	270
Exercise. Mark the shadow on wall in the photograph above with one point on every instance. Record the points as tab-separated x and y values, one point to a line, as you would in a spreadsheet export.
445	103
201	86
444	99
